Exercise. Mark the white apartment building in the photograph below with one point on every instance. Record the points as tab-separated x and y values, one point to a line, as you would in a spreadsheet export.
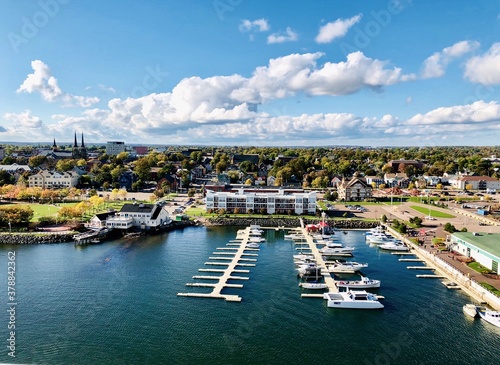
52	179
475	182
270	203
113	148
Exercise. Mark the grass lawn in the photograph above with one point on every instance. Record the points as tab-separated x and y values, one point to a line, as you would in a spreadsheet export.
433	213
491	288
478	267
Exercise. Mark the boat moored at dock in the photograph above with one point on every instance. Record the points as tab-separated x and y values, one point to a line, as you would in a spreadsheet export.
353	299
346	267
489	316
363	283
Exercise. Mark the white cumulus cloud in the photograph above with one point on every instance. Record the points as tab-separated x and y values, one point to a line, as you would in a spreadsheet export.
41	81
259	25
288	36
435	65
485	69
336	29
24	120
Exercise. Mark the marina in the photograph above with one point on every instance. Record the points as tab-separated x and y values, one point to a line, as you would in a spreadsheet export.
236	260
262	326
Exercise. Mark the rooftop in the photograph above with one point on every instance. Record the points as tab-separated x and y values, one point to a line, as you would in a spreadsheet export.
489	242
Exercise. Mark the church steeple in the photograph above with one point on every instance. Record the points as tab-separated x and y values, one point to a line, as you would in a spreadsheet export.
54	145
83	143
76	143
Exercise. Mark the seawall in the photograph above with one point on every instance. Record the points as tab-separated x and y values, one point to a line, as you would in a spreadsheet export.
35	238
287	222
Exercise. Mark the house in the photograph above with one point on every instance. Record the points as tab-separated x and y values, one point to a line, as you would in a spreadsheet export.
142	216
127	179
482	247
475	183
99	220
271	202
172	181
15	168
392	180
53	179
355	190
237	159
371	180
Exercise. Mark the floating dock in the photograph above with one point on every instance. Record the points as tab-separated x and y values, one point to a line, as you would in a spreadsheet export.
332	287
411	260
238	258
420	268
430	276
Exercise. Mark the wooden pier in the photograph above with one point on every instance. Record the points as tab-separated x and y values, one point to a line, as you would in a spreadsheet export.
239	257
332	287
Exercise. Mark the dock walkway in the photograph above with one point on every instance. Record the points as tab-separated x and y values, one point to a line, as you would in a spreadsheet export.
332	287
232	262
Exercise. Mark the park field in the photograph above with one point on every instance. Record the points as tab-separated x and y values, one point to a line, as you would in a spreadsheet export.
431	212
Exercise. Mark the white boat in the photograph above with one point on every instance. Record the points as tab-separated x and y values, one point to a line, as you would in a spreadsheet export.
394	246
489	316
303	256
252	245
363	283
470	310
380	238
378	229
332	251
346	267
256	239
295	237
353	299
313	286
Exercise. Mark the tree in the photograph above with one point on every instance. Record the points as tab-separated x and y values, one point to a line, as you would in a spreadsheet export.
448	227
37	161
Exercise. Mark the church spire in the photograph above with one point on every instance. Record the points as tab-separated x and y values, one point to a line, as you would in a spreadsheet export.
76	143
83	143
54	145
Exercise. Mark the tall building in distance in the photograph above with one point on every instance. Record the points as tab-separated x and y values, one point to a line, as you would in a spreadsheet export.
113	148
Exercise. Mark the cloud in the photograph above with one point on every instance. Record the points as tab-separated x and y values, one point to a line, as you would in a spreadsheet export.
288	36
41	81
475	113
24	120
259	25
485	69
435	65
337	29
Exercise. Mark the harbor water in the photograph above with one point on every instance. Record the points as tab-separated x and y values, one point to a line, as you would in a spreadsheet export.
117	303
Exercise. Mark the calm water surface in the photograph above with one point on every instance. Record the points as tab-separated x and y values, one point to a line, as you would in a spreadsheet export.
116	303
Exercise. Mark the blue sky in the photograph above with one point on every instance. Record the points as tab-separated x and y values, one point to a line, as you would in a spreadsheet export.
255	73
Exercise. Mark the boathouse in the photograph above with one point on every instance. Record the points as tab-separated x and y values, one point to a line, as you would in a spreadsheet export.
482	247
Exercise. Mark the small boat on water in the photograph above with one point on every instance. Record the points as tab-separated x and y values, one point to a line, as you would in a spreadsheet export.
252	245
346	267
363	283
303	256
489	316
256	239
332	251
470	310
353	299
313	286
378	229
394	246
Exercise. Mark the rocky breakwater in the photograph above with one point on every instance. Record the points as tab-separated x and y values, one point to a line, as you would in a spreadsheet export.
287	222
35	238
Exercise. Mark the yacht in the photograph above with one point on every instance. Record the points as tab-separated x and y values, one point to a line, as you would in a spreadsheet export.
378	229
363	283
314	286
332	251
394	246
489	316
303	256
346	267
252	245
353	299
380	238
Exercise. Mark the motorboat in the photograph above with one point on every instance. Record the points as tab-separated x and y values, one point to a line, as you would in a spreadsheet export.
353	299
378	229
295	237
489	316
394	246
303	256
470	310
380	238
333	244
332	251
310	271
346	267
256	239
363	283
252	245
314	286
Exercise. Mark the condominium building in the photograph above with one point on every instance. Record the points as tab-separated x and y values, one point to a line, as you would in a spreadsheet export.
482	247
355	190
113	148
262	202
52	179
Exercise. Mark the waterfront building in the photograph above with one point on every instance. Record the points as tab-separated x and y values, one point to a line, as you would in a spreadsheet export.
113	148
46	179
271	202
143	216
355	190
482	247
